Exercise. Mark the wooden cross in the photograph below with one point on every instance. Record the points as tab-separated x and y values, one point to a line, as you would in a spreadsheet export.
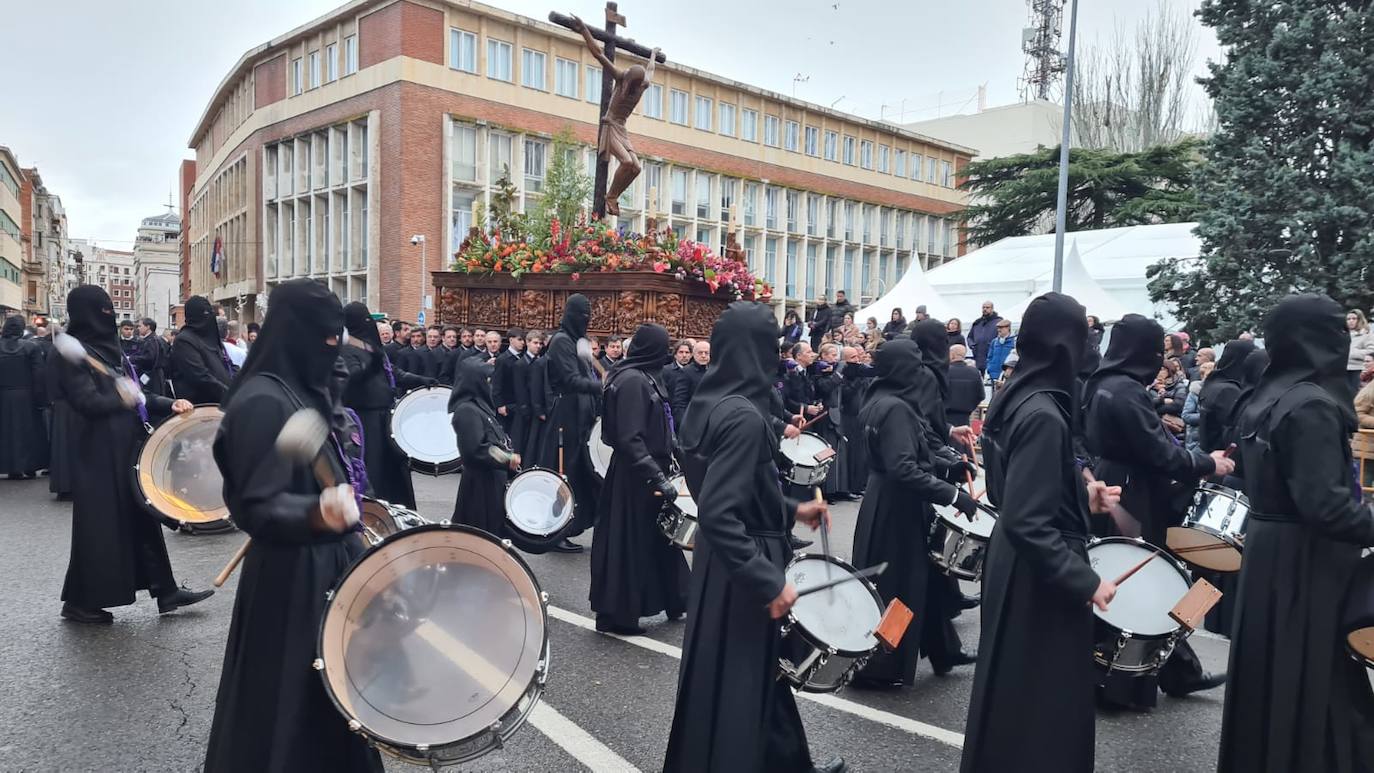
610	42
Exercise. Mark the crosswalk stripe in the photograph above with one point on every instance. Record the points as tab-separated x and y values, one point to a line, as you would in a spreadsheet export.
579	743
897	721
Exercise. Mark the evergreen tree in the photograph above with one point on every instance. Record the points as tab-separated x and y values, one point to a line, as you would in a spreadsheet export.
567	188
1287	188
1016	195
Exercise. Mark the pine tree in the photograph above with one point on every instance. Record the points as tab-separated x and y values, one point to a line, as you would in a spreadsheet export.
1016	195
1287	188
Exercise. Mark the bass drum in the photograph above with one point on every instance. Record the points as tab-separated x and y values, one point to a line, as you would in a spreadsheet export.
177	474
422	427
599	451
403	661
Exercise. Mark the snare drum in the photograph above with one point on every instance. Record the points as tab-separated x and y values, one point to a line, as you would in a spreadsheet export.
808	457
177	473
381	519
1213	532
403	661
422	428
539	508
957	546
1136	634
828	635
679	517
598	450
1357	624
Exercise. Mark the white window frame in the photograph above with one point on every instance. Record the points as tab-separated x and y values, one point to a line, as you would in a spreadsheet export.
725	118
703	108
297	77
534	69
749	125
917	164
495	47
591	89
566	73
653	101
849	144
462	50
314	59
899	162
331	62
350	54
811	142
832	146
884	154
791	136
678	101
865	154
772	130
469	133
534	183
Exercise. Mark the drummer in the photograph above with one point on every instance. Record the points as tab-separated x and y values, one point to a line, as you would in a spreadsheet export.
484	447
1132	448
272	712
732	712
1296	701
893	516
636	570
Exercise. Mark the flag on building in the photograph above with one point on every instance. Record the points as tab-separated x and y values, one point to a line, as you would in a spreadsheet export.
217	256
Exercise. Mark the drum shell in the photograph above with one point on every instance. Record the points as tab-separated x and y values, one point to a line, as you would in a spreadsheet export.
395	519
955	551
1117	650
812	665
1207	524
807	474
678	526
143	478
1357	620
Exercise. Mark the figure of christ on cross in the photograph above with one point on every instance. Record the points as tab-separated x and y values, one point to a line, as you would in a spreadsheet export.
614	140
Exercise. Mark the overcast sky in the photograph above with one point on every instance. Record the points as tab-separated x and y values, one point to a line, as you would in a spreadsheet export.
102	96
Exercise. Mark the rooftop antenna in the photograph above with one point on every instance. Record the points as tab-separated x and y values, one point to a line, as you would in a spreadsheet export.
1040	43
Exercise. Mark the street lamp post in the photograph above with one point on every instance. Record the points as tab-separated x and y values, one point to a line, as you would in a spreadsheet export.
1061	211
424	264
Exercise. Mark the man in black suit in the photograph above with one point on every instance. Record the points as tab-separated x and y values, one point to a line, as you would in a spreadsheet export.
965	388
510	389
689	379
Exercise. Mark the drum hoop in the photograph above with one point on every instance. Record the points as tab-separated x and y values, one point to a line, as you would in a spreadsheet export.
958	524
199	413
1230	493
1164	555
541	667
506	508
800	627
396	435
810	463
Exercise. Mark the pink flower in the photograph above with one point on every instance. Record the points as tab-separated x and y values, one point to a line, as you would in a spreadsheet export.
576	276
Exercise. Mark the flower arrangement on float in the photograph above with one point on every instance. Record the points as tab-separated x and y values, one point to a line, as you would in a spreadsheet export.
590	246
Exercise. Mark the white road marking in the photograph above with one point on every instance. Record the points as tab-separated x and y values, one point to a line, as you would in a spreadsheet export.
579	743
897	721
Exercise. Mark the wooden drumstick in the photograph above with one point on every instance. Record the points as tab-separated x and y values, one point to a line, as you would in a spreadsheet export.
813	420
233	564
825	534
968	476
1129	572
560	450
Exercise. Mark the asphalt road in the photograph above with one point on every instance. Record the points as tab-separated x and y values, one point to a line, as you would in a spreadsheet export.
139	695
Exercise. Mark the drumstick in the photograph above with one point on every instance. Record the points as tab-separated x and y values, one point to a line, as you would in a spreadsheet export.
72	351
584	350
825	536
872	571
1125	522
1198	548
813	420
560	450
968	476
1127	575
233	564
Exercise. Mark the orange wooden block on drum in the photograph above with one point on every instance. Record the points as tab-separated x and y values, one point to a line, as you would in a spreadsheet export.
893	625
1195	604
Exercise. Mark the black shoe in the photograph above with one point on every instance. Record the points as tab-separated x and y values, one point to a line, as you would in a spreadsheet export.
968	602
181	597
798	543
567	546
1206	681
955	660
836	765
673	617
616	628
869	683
88	616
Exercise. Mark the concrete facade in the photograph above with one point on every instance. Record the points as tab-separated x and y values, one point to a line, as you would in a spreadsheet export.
323	151
157	267
47	272
111	270
11	236
1001	131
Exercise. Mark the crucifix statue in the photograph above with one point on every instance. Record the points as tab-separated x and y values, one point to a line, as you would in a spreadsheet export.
621	89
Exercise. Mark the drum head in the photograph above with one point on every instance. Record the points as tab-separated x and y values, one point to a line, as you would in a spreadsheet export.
803	448
432	637
684	500
842	617
177	472
600	452
423	428
982	524
1142	602
1204	549
539	502
379	517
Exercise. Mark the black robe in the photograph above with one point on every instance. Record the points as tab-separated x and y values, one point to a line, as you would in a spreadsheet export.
23	437
1032	703
732	712
829	393
150	359
1295	700
272	712
539	408
61	473
510	390
201	375
117	545
371	395
571	413
684	386
481	499
894	522
856	380
636	572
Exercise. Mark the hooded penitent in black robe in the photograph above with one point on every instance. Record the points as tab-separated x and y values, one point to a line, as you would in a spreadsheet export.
23	438
857	378
1296	700
117	546
272	712
202	366
61	475
482	489
732	712
572	412
636	571
371	393
1220	392
1155	472
1032	702
895	516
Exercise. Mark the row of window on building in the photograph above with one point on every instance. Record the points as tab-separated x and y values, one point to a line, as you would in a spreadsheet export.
700	112
319	67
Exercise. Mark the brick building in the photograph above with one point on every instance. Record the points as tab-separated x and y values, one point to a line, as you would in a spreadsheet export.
323	151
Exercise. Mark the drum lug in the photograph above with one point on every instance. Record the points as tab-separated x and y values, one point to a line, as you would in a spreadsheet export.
445	523
422	748
507	544
495	731
329	595
544	597
354	725
318	664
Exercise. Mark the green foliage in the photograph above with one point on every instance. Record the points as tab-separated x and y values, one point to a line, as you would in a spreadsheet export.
1016	195
1287	187
567	187
505	217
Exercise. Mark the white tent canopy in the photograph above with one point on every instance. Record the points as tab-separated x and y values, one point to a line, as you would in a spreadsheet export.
1014	270
1079	284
